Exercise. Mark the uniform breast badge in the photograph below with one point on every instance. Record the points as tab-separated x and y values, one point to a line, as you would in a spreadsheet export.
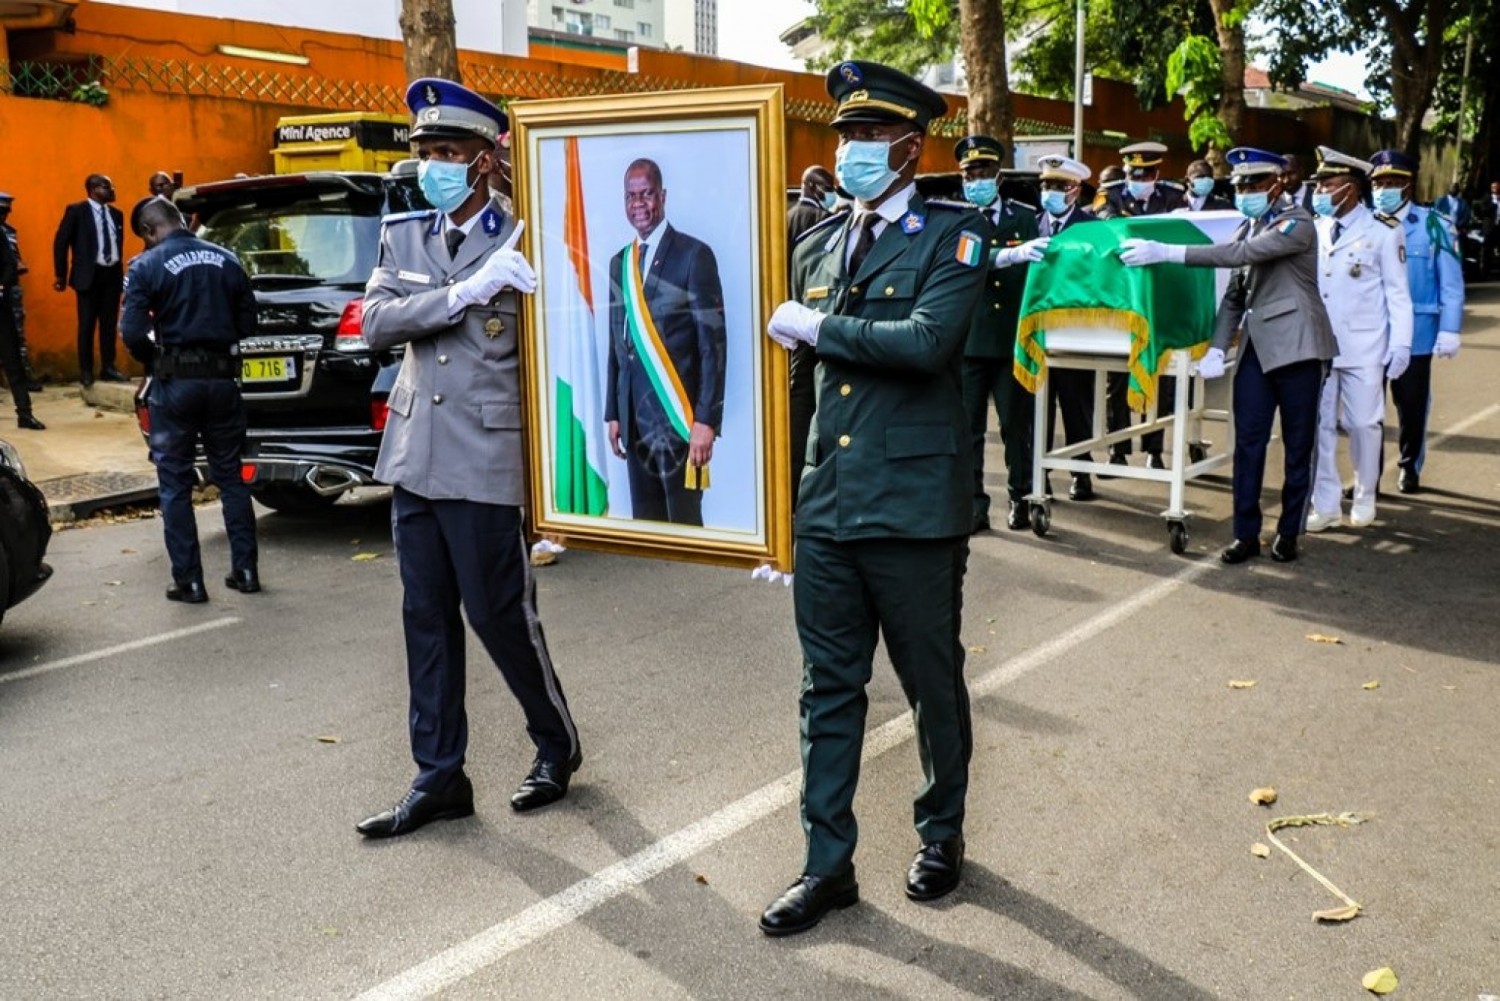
912	223
492	327
1354	272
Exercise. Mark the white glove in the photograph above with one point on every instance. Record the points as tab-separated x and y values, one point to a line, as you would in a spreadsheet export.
1026	253
547	546
1396	362
766	573
1211	365
793	322
505	268
1447	344
1138	253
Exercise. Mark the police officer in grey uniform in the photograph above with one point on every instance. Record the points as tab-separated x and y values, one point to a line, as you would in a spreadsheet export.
448	286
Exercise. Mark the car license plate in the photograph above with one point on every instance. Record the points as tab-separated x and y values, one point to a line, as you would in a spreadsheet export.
278	369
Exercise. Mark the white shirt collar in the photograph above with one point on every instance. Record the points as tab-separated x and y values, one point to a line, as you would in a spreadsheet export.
467	227
894	207
652	241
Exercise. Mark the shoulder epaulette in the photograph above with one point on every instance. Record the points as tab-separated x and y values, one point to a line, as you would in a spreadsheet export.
956	206
1111	185
1012	203
1176	186
836	219
1390	221
405	216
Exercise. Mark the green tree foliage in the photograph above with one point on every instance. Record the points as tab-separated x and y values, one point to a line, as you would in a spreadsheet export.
1195	69
908	36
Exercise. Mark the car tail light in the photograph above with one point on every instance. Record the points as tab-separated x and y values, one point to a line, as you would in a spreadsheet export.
350	335
143	416
380	410
247	472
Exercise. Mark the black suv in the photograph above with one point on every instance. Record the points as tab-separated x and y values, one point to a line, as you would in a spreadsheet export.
315	393
24	532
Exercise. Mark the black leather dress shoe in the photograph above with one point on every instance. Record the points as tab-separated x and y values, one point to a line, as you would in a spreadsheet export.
35	387
1284	548
1241	550
243	581
86	380
1082	488
1409	482
1019	516
30	423
1155	461
113	375
417	809
806	901
934	872
547	782
191	591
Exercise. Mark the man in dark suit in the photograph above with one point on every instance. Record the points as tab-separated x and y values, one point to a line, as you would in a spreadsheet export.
884	297
1069	390
1202	194
813	206
665	398
1294	180
92	231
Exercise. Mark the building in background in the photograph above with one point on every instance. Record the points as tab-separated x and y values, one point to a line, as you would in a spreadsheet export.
693	26
636	22
495	26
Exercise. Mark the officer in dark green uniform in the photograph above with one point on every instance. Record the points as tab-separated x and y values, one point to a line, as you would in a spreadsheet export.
884	295
1010	231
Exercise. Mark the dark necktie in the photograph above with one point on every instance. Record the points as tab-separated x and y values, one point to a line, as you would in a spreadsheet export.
863	242
640	261
454	237
1338	231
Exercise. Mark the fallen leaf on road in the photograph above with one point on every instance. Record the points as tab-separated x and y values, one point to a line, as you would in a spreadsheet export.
1320	638
364	557
127	551
990	620
1381	981
1263	796
329	739
1450	688
1260	851
1347	913
1241	684
698	877
330	931
114	583
1370	686
976	649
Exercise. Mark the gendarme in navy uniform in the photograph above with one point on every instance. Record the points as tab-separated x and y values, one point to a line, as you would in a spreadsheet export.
447	286
197	298
883	294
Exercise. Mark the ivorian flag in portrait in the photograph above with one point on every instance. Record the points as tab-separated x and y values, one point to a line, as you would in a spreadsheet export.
1164	307
580	484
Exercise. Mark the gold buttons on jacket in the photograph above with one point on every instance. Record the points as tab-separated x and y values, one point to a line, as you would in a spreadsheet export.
442	359
437	398
844	441
854	290
890	290
845	389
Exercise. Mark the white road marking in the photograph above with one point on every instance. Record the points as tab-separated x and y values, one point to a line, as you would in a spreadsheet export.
140	644
462	961
1465	424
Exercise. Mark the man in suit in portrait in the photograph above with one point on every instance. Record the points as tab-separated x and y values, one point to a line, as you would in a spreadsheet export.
664	400
448	286
92	232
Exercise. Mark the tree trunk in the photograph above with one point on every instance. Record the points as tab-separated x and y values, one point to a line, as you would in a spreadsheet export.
1232	52
427	29
982	28
1415	65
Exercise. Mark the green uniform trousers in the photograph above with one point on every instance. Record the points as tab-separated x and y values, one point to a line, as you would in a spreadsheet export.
847	595
993	379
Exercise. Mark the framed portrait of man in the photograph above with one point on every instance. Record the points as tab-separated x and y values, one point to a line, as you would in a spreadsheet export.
656	404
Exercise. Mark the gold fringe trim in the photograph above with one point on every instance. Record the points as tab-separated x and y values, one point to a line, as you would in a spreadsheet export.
1142	387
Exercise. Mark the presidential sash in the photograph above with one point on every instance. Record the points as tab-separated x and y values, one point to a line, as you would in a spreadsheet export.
665	381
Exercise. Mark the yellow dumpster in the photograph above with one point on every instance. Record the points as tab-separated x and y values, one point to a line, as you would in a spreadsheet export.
348	141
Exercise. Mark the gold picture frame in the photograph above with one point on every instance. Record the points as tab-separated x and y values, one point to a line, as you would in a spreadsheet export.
656	224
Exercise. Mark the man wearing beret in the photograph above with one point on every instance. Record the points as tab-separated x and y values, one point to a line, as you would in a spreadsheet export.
884	295
1010	232
1272	303
448	285
1143	193
1363	281
1435	273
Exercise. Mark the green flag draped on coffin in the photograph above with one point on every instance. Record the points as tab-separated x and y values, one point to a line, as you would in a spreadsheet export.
1082	283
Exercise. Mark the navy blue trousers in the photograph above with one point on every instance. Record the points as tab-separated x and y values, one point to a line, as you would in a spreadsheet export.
463	554
1293	391
183	413
1412	394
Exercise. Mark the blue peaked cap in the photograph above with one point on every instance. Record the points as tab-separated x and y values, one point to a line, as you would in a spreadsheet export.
444	108
1392	161
1245	161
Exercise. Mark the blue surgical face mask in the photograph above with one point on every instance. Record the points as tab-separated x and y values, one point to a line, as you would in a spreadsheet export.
1322	202
830	199
1388	200
1140	190
982	191
864	168
1055	202
1203	186
445	185
1252	204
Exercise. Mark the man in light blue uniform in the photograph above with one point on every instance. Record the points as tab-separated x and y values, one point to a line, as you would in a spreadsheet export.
1437	299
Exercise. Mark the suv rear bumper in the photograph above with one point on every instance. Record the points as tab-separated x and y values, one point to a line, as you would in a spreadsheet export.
329	463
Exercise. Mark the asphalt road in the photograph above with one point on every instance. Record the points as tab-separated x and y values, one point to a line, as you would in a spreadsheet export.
174	827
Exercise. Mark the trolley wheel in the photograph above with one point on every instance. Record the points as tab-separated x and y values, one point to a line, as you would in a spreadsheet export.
1197	453
1041	519
1178	537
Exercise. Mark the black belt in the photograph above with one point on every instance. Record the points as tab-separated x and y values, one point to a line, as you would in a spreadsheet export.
195	364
